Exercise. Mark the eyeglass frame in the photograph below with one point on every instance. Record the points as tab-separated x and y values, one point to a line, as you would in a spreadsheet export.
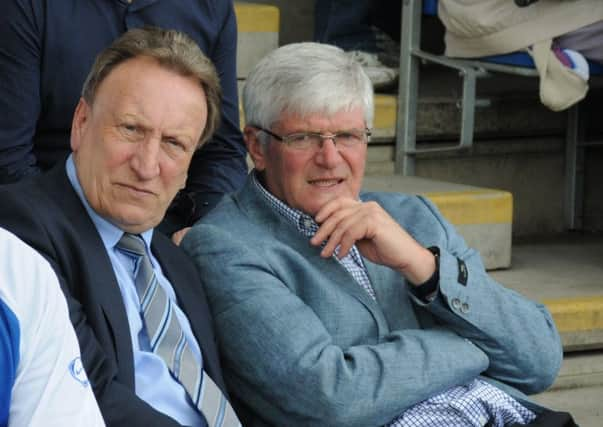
286	139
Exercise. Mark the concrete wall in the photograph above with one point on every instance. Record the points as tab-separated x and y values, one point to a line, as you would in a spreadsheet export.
534	175
593	189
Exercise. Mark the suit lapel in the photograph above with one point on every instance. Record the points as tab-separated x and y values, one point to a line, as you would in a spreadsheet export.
259	212
103	286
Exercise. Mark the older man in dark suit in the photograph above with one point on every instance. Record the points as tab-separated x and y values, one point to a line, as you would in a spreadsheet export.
150	101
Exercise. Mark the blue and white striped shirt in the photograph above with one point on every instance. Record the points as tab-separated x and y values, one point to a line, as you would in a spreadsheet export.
471	405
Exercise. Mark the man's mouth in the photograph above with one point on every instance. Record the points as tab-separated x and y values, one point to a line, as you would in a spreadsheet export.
135	189
326	182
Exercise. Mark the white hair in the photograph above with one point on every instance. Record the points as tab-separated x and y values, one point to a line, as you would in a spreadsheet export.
303	79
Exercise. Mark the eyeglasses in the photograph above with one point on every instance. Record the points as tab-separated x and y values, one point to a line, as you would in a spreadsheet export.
314	140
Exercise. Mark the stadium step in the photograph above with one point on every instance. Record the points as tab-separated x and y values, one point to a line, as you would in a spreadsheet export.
258	30
580	369
384	126
583	403
565	273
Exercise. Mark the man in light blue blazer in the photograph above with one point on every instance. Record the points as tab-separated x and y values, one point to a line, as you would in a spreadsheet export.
339	308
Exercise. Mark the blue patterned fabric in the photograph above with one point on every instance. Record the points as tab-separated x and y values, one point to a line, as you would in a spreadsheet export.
473	404
306	225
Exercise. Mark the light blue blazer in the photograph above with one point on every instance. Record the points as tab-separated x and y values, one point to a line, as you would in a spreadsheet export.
304	345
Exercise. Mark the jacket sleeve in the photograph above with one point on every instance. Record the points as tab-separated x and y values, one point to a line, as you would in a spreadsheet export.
518	335
281	360
20	51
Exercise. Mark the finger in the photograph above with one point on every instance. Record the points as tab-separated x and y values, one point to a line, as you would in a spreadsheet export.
329	224
353	230
334	206
345	245
179	235
328	235
346	233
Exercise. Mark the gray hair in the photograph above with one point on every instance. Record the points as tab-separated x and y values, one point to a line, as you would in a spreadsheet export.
306	78
174	51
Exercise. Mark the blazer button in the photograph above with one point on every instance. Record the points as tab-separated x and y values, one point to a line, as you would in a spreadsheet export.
465	308
456	303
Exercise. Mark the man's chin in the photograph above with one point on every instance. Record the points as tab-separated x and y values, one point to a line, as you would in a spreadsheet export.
317	202
135	222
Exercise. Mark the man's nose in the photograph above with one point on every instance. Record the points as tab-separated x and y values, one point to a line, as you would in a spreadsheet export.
145	161
328	154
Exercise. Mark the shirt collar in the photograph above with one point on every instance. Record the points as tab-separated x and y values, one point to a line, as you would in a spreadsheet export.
109	232
304	223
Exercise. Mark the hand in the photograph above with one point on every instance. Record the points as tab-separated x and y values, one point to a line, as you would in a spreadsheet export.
179	235
345	222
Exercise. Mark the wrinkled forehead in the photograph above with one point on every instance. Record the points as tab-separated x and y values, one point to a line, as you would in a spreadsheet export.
349	117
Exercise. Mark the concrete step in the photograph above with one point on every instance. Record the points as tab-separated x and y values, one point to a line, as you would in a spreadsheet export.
580	369
579	320
384	123
379	168
583	403
578	389
566	274
258	32
439	117
482	216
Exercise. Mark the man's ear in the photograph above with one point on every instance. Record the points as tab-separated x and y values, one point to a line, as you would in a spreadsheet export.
255	148
81	117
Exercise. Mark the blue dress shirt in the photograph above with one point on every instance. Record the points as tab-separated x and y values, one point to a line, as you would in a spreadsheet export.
154	383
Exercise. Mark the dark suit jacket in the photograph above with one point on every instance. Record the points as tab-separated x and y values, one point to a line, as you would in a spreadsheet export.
46	213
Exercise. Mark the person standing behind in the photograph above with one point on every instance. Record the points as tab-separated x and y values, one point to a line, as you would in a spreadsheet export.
150	101
46	50
42	381
362	29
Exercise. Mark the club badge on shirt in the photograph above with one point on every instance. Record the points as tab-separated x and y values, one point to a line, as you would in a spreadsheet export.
77	371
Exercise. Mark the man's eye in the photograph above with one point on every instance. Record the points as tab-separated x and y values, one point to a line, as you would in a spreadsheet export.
174	143
349	138
298	137
346	135
130	129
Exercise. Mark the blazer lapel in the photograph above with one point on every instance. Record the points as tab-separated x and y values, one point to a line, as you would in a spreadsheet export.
103	285
254	204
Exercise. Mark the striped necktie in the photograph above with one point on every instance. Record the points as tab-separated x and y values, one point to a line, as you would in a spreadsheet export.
169	342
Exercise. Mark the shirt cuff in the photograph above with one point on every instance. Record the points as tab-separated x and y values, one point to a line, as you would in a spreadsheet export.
428	290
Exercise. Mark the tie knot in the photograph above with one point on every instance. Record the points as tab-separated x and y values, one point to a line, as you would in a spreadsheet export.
132	243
